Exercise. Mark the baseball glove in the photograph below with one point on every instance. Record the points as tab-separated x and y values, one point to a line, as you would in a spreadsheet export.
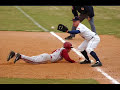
62	28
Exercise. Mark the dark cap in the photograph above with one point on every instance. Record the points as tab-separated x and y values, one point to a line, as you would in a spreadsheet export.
76	18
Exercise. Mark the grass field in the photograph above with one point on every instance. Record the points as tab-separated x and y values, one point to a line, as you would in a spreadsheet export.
107	21
107	18
46	81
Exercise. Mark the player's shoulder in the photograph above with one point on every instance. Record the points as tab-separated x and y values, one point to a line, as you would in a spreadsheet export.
80	26
83	26
63	49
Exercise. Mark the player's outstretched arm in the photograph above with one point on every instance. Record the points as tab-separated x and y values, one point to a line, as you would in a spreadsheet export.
63	28
65	55
73	32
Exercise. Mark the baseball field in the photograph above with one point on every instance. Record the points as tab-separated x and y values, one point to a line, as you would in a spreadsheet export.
32	30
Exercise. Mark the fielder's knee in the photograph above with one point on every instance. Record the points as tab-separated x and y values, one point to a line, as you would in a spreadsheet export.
80	49
89	50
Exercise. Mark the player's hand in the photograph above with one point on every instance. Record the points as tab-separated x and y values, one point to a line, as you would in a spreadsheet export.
89	18
78	61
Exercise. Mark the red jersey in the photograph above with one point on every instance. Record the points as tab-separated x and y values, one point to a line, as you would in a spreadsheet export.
59	54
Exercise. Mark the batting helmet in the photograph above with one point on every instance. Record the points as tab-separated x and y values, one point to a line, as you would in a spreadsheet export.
67	45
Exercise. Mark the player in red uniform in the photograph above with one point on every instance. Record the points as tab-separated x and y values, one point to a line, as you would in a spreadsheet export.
56	55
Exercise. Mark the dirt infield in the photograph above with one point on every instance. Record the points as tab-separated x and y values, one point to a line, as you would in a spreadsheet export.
34	43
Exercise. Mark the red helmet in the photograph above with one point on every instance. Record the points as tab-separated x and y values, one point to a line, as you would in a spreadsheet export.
67	45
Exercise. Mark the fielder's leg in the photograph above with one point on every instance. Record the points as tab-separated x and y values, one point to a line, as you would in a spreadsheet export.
82	48
90	49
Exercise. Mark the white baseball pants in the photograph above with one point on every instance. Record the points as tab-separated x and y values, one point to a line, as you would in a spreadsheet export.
89	45
42	58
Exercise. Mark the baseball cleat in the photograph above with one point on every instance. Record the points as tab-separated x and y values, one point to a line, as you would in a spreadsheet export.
11	55
68	38
18	56
85	62
96	64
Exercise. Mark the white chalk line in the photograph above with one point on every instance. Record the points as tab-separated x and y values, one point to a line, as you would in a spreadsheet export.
108	76
29	17
77	52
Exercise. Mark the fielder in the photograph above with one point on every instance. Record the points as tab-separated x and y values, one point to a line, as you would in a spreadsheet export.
88	45
56	55
86	12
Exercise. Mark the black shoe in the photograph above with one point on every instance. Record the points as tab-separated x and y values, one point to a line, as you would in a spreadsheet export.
96	64
85	62
68	38
18	56
11	55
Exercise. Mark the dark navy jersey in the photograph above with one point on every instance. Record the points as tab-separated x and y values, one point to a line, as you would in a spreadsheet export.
88	10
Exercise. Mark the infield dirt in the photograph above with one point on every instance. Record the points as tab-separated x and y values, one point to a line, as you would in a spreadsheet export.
34	43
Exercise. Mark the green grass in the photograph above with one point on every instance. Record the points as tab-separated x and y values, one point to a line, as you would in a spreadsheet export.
46	81
107	18
11	20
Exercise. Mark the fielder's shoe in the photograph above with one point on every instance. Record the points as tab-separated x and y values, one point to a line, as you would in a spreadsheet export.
18	56
11	55
96	64
68	38
85	62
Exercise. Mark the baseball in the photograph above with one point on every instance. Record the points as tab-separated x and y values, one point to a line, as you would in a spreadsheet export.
52	27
